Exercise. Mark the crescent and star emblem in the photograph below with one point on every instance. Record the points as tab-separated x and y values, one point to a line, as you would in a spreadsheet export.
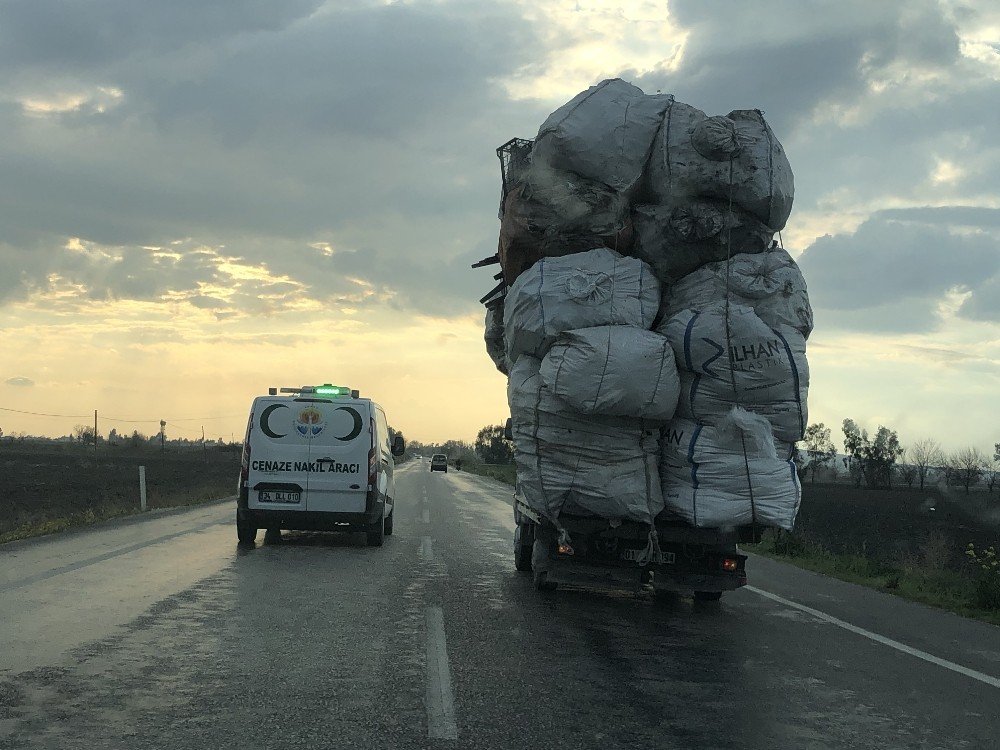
265	428
358	423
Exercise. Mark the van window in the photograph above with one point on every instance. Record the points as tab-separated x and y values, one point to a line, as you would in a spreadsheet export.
383	427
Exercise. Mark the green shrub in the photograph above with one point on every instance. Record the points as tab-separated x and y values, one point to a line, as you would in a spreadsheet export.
986	567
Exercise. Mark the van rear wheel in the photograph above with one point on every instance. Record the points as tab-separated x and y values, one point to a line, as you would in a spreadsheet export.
388	522
246	533
376	533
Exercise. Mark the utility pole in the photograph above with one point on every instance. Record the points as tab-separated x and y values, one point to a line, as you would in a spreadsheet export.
204	448
163	425
95	432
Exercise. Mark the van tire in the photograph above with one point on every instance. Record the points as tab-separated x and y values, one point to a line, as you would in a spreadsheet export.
388	523
246	533
376	533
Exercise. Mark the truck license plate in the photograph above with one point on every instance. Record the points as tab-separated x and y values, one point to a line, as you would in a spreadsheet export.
664	558
279	496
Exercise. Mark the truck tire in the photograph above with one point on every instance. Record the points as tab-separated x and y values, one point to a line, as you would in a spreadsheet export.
376	533
542	582
388	522
272	535
707	596
524	540
245	532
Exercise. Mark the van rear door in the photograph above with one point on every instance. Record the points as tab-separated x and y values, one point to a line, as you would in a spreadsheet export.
277	452
338	455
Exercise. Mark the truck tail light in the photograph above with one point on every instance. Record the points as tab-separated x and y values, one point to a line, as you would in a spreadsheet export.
565	549
730	564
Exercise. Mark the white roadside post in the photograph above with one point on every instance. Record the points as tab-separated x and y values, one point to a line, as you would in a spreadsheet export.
142	488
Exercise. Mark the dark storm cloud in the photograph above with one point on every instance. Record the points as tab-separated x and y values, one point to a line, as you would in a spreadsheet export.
263	128
60	34
887	263
786	58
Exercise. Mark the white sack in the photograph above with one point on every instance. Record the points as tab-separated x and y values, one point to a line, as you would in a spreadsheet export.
676	240
618	371
705	480
493	336
595	288
604	134
768	365
770	282
691	158
568	463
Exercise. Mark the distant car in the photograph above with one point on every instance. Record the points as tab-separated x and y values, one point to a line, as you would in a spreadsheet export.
439	462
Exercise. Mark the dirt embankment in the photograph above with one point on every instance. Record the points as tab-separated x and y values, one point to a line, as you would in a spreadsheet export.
46	488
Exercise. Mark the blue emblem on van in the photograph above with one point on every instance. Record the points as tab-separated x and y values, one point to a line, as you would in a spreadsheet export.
310	422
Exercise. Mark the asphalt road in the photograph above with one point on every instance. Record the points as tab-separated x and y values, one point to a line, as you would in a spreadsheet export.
161	633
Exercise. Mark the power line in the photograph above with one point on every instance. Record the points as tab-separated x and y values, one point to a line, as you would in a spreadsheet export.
121	419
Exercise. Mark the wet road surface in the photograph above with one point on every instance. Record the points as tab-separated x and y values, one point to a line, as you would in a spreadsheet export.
161	633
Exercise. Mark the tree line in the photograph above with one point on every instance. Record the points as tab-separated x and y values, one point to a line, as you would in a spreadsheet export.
879	460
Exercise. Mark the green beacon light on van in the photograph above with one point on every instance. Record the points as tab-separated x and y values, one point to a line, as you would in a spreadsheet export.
332	390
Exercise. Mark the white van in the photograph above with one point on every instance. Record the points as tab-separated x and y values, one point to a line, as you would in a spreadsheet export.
317	458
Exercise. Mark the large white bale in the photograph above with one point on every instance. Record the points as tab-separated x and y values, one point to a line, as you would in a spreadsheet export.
767	366
569	463
770	282
737	157
617	371
595	288
727	475
604	134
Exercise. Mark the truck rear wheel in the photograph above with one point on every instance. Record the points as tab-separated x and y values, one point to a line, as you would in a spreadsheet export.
524	540
707	596
388	522
542	582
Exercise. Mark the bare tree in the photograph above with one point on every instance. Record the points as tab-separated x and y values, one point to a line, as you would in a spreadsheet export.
817	450
991	473
907	471
83	433
926	454
968	465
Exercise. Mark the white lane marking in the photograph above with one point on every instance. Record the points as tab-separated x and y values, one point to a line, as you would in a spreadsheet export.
427	516
439	700
981	677
427	548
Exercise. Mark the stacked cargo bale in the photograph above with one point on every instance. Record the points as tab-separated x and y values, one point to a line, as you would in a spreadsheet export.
698	199
585	428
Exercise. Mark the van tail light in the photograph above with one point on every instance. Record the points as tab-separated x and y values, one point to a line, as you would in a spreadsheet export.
245	459
730	564
373	462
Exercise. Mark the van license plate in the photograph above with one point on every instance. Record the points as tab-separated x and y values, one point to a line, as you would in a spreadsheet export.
279	496
664	558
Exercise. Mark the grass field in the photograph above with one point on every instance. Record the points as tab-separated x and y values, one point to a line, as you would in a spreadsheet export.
47	488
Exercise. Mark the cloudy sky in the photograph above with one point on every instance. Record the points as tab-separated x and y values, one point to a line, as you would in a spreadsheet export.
202	199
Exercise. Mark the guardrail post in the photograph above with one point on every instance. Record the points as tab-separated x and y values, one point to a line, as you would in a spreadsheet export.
142	488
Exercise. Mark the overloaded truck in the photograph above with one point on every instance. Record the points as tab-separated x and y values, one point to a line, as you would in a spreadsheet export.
653	335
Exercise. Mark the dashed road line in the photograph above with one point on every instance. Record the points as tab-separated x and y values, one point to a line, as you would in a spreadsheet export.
427	516
930	658
427	549
439	700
